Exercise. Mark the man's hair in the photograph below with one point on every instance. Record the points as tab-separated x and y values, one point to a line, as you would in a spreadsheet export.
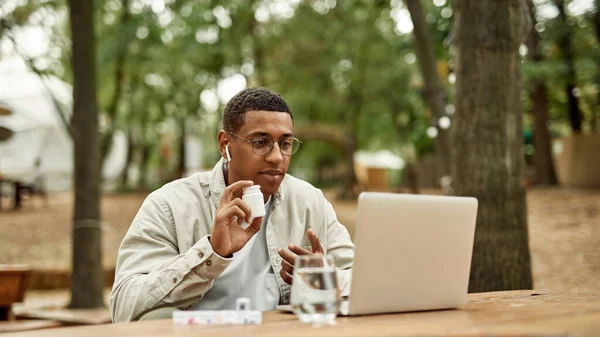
251	99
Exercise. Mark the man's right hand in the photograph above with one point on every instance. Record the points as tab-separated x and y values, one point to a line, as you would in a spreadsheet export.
227	235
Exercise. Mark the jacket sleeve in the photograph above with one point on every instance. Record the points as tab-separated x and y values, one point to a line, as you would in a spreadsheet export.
152	273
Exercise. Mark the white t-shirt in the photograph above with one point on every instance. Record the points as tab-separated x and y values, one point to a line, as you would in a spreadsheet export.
249	275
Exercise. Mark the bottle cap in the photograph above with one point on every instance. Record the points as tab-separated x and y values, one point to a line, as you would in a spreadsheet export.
252	189
242	304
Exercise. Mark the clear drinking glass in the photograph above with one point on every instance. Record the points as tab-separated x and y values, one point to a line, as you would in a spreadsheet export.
315	295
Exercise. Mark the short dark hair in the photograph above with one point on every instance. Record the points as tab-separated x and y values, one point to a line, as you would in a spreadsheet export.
251	99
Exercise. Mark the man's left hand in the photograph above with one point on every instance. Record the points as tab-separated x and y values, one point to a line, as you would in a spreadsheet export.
287	262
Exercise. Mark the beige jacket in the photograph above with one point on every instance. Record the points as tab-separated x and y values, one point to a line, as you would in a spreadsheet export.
166	260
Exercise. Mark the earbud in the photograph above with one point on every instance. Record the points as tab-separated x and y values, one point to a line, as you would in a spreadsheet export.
227	152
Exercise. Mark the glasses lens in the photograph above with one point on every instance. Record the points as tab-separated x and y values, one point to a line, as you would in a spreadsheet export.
290	146
262	146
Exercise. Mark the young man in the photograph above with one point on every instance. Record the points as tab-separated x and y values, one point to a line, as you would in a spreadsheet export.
187	247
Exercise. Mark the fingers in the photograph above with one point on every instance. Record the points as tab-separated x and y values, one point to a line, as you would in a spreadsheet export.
254	226
314	242
299	250
287	272
239	203
230	212
285	276
287	256
287	262
243	206
235	190
287	265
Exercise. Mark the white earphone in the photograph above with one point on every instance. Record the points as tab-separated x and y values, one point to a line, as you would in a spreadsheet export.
227	152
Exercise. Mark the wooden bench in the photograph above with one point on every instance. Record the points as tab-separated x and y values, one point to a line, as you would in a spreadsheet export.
20	190
13	283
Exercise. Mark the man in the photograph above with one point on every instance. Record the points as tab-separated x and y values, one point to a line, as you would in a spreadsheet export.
188	248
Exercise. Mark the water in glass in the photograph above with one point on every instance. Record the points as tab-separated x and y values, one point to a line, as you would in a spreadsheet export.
315	295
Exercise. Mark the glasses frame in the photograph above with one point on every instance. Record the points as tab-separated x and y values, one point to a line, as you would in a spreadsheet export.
270	147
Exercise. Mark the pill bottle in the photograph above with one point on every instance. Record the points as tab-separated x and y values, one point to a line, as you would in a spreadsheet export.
254	198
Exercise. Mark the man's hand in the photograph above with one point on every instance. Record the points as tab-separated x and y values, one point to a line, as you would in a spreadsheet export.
228	236
287	262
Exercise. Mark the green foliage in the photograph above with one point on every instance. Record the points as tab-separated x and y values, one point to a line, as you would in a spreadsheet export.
337	63
553	69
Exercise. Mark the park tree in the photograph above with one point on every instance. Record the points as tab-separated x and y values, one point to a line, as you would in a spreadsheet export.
87	277
488	140
545	173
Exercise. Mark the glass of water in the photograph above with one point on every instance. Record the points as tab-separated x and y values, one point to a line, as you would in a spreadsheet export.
315	295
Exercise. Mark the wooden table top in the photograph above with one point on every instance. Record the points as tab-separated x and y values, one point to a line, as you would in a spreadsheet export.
512	313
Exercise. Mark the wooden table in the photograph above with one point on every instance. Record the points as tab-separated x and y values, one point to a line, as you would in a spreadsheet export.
516	313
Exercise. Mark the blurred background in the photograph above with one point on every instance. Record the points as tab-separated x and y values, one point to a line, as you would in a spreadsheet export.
372	85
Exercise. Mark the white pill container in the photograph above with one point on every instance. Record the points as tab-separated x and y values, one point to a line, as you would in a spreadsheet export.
254	198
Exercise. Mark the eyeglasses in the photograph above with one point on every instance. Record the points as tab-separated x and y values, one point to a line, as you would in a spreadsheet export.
262	145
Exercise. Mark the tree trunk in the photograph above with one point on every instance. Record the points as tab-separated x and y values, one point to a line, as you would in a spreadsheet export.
410	177
123	41
87	278
128	159
596	112
488	141
564	43
434	92
258	74
181	164
350	181
144	163
545	173
3	29
597	19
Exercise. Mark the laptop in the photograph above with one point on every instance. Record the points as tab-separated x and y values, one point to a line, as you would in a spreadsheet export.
413	253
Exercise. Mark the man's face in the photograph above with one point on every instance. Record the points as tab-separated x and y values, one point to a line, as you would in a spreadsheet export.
269	170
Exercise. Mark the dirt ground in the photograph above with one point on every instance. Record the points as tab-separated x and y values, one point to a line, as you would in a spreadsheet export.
564	233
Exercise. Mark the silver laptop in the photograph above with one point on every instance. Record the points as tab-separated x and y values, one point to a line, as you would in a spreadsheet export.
413	252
